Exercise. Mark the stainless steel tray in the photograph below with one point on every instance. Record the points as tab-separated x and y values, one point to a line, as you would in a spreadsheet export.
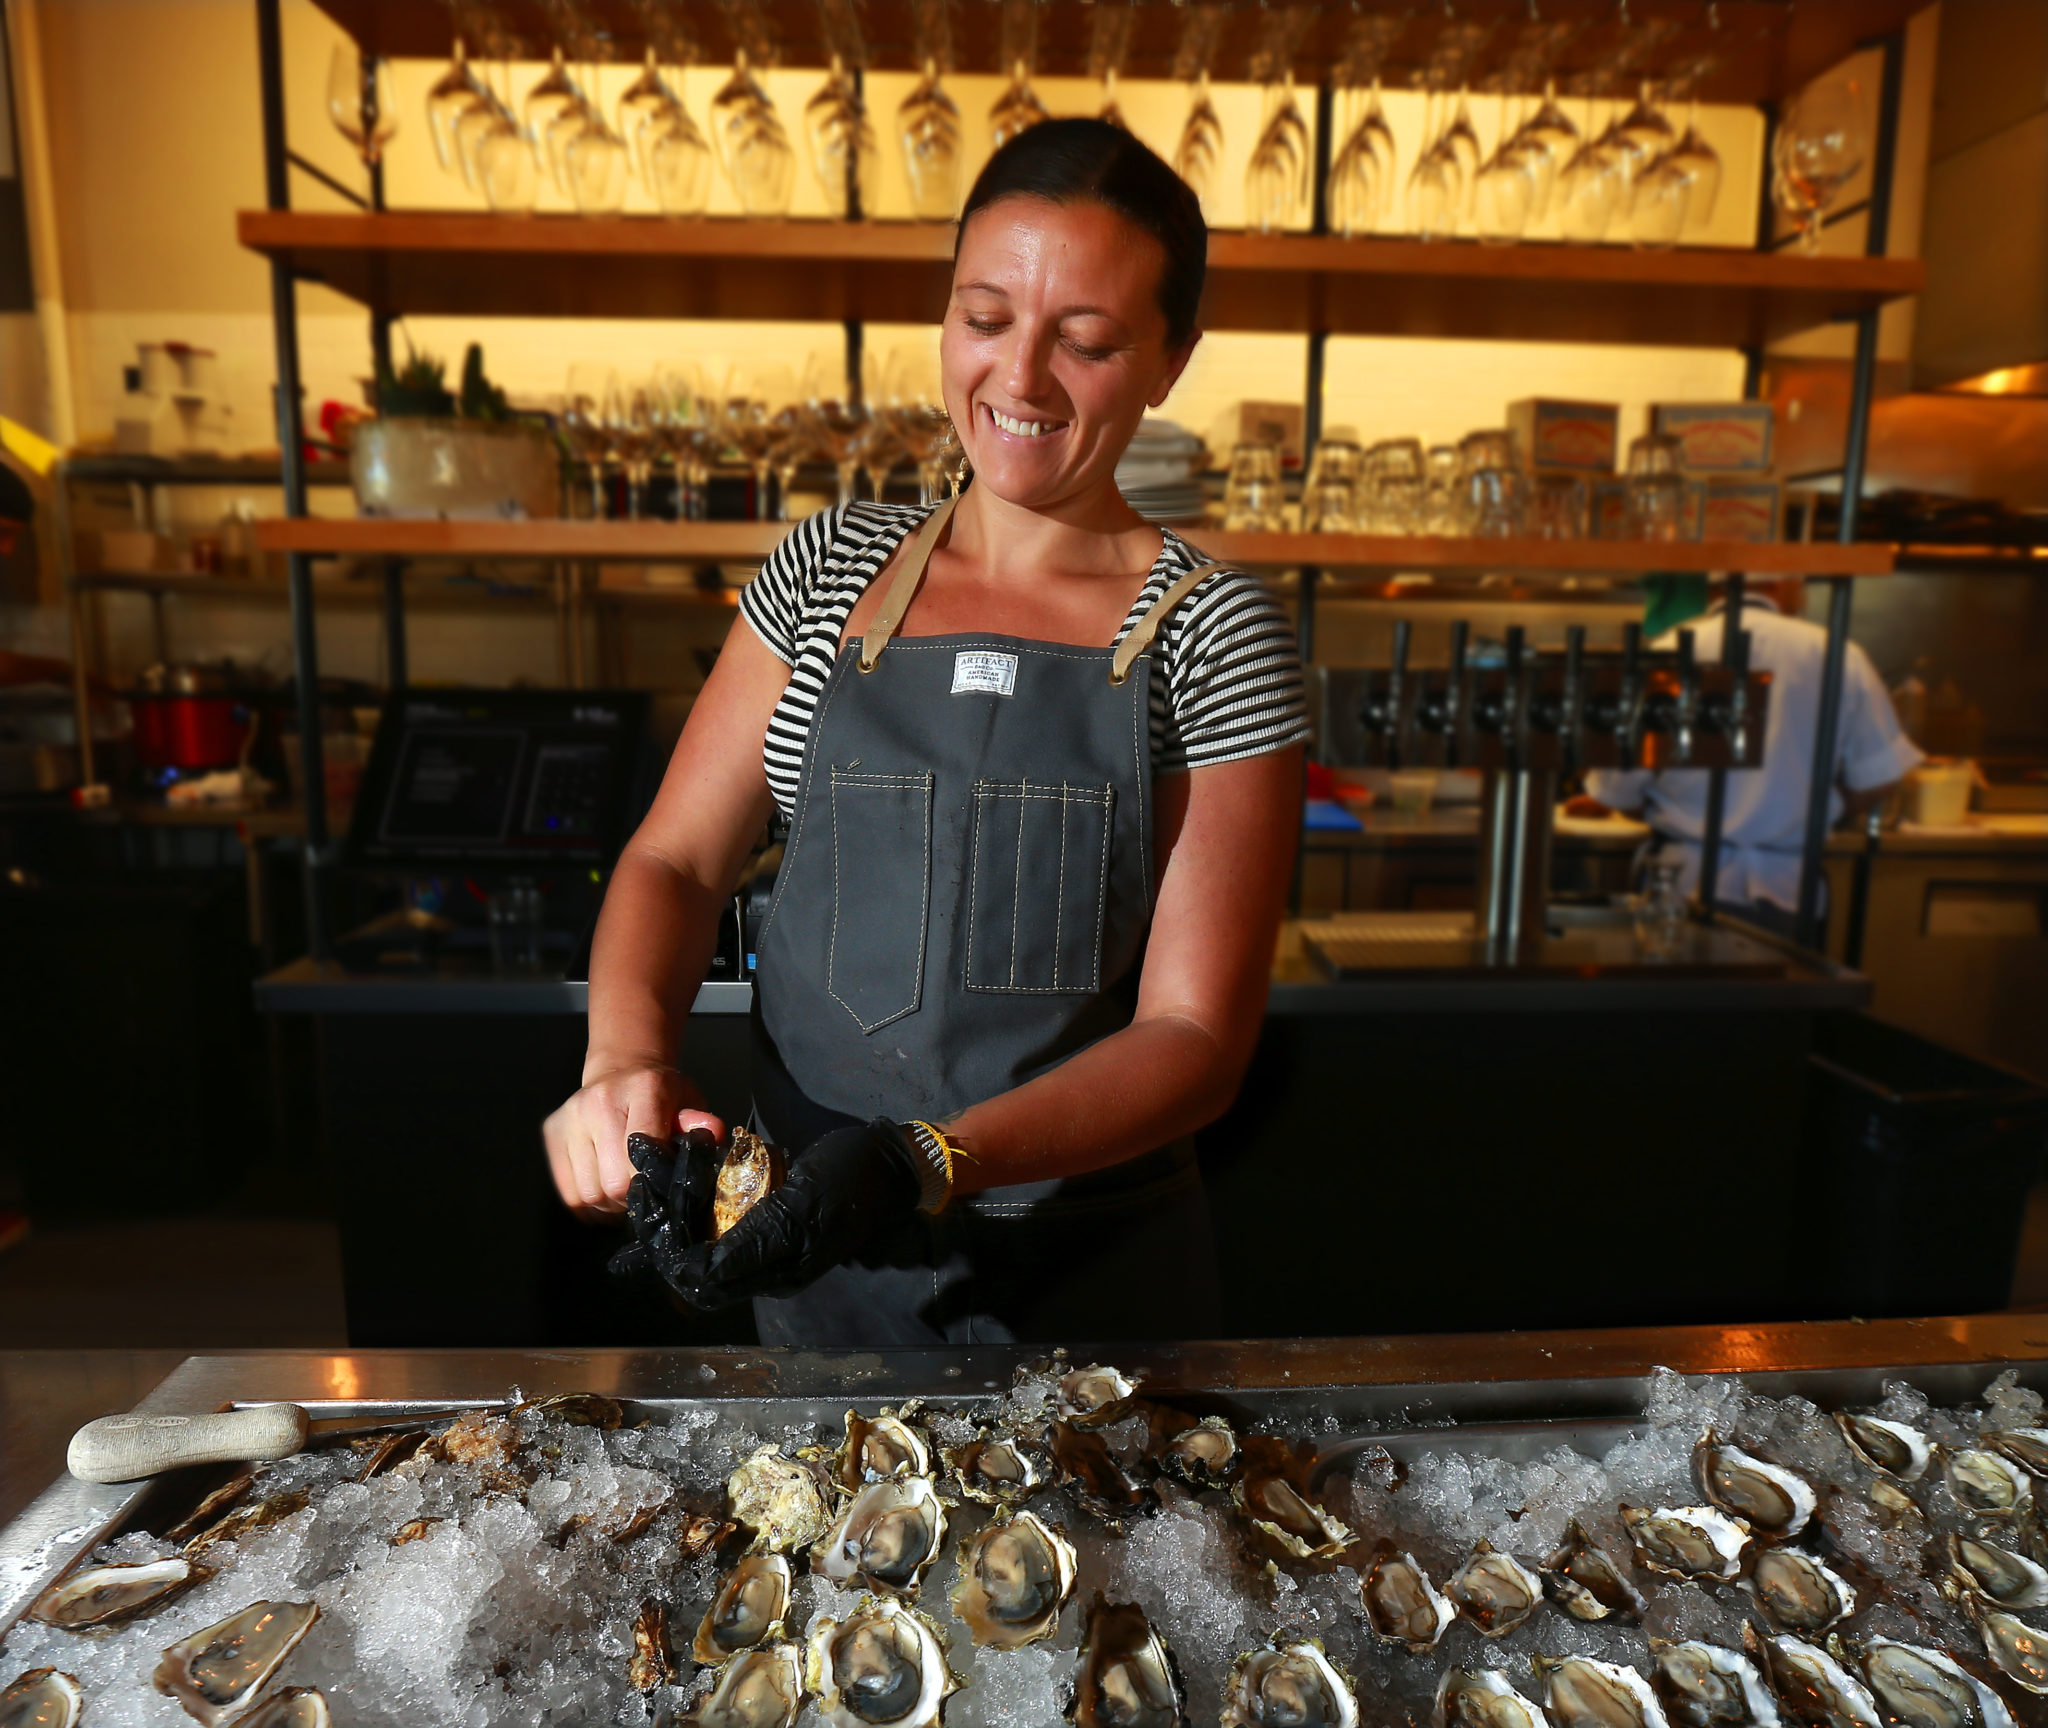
1518	1394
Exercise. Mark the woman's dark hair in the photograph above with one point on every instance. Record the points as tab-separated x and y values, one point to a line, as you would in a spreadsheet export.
1065	161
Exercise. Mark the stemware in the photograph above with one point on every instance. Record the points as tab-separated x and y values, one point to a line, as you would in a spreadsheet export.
596	162
1504	190
928	126
360	101
1820	145
1109	41
1550	139
632	423
1701	163
584	425
752	144
837	422
1200	150
678	164
554	93
917	414
450	95
1018	107
748	424
794	445
682	428
1590	188
842	139
1275	181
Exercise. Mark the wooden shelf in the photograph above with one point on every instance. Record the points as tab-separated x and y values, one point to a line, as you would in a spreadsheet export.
255	591
482	265
691	542
1756	49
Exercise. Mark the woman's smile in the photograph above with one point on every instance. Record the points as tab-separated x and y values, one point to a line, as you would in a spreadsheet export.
1019	426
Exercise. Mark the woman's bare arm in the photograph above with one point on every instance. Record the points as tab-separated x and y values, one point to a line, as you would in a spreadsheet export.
1227	836
659	925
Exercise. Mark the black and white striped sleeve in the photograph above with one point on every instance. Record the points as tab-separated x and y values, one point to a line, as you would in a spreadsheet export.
1233	677
775	600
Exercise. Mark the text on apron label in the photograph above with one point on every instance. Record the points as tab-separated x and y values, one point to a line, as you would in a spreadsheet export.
986	671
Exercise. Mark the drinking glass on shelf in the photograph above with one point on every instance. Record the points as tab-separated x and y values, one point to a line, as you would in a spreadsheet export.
642	106
842	140
596	163
360	101
1331	494
449	96
1397	484
1440	513
1493	502
1558	507
634	422
1550	140
1658	911
585	427
1199	153
793	447
554	93
1656	488
506	171
1504	191
1276	178
678	164
684	429
1591	188
1819	146
748	425
1252	495
837	423
1018	107
752	145
928	126
1702	165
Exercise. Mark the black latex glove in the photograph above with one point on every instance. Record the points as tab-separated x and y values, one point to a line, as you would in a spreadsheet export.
846	1191
668	1206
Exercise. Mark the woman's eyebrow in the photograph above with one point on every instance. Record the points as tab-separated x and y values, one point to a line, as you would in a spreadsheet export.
983	288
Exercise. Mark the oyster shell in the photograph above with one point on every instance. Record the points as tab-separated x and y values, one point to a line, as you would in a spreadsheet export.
1926	1689
888	1535
2000	1576
998	1469
1764	1496
702	1532
876	1450
1798	1593
1288	1686
474	1437
578	1409
1401	1604
1585	1582
781	1501
107	1595
390	1451
1203	1454
1581	1693
1288	1520
1494	1591
2017	1650
1896	1508
757	1689
218	1670
271	1509
413	1530
42	1698
747	1609
748	1172
1986	1484
1094	1396
1127	1677
2026	1447
1704	1686
1484	1699
1891	1448
1016	1574
294	1707
1102	1486
230	1493
653	1662
1811	1687
883	1666
1690	1542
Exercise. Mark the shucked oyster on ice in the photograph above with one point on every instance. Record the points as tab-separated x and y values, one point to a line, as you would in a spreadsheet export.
1094	1396
1102	1487
1798	1593
1465	1699
747	1609
1494	1591
888	1535
1704	1686
1986	1484
2026	1447
1288	1686
1401	1604
1766	1497
1691	1542
1127	1678
1926	1689
107	1595
1891	1448
883	1666
1272	1493
1585	1582
756	1689
1581	1693
1016	1574
1203	1454
2017	1650
42	1698
294	1707
1811	1687
999	1469
781	1501
2000	1576
217	1671
890	1445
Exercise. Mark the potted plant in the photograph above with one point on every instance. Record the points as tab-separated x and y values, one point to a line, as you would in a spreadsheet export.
458	456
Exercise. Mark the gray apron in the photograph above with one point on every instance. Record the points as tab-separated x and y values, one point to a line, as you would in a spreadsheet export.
962	904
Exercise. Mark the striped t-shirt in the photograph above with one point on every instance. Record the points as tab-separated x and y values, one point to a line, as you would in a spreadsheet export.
1226	679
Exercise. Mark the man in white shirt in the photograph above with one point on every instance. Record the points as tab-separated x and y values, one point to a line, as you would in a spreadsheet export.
1763	826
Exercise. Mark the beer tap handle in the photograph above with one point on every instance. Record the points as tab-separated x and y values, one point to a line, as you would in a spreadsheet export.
1397	710
1514	698
1686	714
1631	715
1455	694
1572	708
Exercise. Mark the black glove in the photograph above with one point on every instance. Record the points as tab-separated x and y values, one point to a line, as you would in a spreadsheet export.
845	1192
668	1206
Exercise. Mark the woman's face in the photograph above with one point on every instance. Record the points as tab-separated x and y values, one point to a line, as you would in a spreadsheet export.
1054	346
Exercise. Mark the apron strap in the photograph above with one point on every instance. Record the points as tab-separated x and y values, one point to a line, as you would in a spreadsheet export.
1147	627
903	586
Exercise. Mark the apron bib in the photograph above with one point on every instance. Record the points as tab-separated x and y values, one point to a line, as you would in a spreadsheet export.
962	904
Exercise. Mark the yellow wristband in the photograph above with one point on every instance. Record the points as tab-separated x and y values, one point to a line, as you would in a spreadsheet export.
935	1177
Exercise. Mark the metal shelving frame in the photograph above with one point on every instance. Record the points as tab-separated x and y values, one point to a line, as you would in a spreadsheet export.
319	844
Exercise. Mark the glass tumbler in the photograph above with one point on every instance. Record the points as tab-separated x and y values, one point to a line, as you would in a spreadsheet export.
1252	494
1493	502
1558	507
1656	488
1332	495
1398	473
1660	912
1440	490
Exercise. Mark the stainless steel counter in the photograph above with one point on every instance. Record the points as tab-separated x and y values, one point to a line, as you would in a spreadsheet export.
1558	1378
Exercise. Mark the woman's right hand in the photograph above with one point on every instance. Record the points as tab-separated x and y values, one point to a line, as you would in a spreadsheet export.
586	1137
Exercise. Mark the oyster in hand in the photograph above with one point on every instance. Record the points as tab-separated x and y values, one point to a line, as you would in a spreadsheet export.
748	1173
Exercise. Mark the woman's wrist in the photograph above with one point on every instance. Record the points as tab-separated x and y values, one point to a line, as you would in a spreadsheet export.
597	1064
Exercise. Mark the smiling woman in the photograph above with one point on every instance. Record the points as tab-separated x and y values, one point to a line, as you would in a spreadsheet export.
1041	765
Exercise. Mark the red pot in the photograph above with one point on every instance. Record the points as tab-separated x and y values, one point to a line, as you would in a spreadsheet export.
188	718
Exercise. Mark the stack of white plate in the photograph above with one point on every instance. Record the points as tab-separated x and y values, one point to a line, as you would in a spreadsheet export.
1157	474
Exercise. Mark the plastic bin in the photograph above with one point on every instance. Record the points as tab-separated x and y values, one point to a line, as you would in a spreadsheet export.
1924	1158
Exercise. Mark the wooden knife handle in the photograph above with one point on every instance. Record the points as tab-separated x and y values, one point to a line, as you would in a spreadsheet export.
128	1448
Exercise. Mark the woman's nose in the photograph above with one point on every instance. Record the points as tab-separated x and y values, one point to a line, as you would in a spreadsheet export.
1026	363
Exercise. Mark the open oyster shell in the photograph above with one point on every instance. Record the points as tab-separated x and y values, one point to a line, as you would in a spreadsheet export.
1288	1686
1704	1686
2016	1649
1798	1593
757	1689
294	1707
1127	1677
887	1537
42	1698
1766	1497
1986	1484
653	1662
747	1609
1811	1686
883	1666
1203	1454
1401	1604
1689	1542
781	1501
999	1469
1585	1582
1102	1487
218	1670
107	1595
1494	1591
748	1172
1581	1693
1094	1396
1016	1574
1272	1493
2003	1578
1890	1448
873	1451
1466	1698
1927	1688
2026	1447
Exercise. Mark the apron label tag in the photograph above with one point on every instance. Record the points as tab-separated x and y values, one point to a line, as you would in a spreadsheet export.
981	669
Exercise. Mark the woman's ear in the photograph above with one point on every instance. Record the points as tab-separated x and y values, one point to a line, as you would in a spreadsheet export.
1176	363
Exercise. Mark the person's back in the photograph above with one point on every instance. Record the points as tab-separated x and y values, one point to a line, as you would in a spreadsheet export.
1764	820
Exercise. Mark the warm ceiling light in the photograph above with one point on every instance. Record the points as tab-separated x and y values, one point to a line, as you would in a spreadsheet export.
2005	381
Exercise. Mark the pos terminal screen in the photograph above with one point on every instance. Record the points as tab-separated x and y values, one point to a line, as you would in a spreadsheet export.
499	777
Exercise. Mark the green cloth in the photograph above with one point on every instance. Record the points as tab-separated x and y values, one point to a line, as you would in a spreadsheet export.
1669	601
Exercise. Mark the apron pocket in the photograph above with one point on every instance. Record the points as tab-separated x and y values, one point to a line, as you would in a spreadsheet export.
1039	880
881	890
